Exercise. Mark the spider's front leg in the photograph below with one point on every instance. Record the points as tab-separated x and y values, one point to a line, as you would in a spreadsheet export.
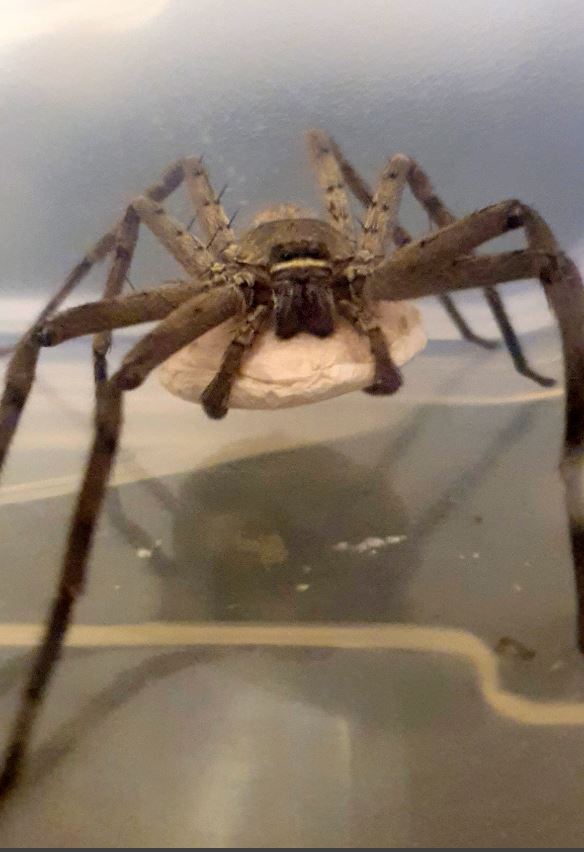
185	248
426	268
183	325
438	212
215	397
387	378
170	180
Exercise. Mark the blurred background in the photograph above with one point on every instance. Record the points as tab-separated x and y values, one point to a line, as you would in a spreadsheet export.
98	97
439	510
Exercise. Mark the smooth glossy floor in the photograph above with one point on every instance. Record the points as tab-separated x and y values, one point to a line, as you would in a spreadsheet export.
440	509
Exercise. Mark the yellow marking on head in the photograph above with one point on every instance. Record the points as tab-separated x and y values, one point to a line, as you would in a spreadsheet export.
300	263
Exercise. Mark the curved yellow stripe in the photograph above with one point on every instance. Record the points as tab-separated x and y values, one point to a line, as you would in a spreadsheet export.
400	637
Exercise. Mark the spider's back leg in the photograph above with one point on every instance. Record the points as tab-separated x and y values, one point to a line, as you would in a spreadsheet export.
208	209
331	182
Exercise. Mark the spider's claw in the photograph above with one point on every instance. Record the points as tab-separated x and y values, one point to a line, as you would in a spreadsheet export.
544	381
215	398
484	342
387	380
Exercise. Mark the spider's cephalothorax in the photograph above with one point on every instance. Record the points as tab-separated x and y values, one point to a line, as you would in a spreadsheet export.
300	261
298	274
302	271
301	276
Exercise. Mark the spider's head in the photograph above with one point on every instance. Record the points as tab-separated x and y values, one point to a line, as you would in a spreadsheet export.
300	258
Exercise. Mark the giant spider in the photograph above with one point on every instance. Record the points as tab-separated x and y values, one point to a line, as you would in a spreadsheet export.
299	274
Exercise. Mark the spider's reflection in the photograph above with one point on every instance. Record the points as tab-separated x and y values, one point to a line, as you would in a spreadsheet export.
252	535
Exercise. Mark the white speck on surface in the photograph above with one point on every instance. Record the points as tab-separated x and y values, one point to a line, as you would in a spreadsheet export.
369	544
144	553
517	587
302	587
559	664
476	555
117	588
461	556
306	569
373	552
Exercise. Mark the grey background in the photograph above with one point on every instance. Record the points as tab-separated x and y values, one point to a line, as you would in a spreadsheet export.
97	98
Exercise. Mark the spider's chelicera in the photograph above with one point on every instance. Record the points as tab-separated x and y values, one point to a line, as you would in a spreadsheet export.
296	274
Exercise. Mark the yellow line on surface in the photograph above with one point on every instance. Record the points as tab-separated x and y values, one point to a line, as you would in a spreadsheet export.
434	640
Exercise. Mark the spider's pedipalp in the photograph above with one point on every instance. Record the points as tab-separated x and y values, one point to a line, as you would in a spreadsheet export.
215	397
387	378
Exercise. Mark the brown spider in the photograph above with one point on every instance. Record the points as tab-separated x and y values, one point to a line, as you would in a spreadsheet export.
300	275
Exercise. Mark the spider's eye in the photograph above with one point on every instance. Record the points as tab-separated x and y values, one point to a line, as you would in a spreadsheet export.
287	254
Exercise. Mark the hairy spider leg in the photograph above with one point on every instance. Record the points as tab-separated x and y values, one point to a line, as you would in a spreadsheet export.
169	181
185	248
186	323
215	397
425	194
563	287
126	239
331	182
381	213
209	212
387	378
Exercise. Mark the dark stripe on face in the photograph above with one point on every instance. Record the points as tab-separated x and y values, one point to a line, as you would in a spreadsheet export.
317	310
288	310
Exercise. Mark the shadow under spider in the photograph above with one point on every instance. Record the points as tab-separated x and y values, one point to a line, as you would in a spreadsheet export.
131	682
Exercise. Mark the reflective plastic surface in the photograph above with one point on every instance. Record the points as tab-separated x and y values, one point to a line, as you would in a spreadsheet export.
289	633
362	578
